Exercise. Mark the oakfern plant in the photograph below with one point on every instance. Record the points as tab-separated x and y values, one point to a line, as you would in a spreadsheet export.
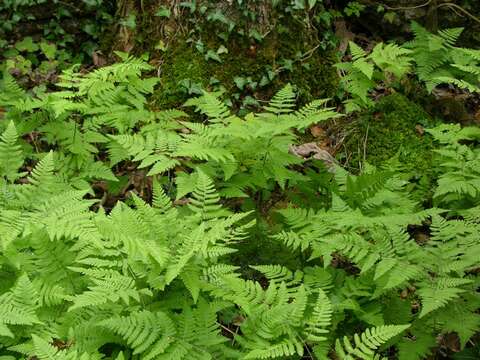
147	277
155	278
100	119
433	58
245	154
438	61
386	63
367	224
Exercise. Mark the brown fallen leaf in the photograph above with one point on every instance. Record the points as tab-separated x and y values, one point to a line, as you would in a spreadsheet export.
419	129
312	150
317	131
98	59
451	341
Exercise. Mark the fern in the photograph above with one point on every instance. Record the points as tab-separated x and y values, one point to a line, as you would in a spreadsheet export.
368	342
438	60
149	334
261	255
283	101
318	324
11	157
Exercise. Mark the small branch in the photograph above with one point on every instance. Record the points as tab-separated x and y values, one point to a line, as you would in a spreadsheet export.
309	53
365	144
230	331
407	7
461	9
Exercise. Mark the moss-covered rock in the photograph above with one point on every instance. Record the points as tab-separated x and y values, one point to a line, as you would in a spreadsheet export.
213	47
393	127
184	71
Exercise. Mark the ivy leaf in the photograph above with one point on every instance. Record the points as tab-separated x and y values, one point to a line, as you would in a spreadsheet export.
49	50
161	46
212	55
240	82
390	17
129	22
299	4
189	5
200	46
253	33
222	50
163	12
26	44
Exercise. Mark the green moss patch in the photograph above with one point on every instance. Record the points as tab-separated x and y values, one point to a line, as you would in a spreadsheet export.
393	127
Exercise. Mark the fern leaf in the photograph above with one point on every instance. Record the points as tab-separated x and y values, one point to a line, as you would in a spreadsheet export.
205	200
370	340
282	102
317	325
11	156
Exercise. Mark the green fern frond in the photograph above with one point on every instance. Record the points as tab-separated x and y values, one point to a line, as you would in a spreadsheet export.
205	200
209	104
320	320
283	101
440	294
368	342
147	333
11	155
450	35
280	350
357	51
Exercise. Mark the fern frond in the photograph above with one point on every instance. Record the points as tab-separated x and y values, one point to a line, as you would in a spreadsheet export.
318	323
11	156
149	334
283	101
365	344
209	104
205	200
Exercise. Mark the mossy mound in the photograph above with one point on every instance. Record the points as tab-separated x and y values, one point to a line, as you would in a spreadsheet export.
214	49
393	128
184	72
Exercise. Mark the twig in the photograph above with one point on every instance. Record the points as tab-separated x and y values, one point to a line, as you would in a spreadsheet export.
306	348
230	331
458	7
407	7
304	57
450	5
365	144
309	53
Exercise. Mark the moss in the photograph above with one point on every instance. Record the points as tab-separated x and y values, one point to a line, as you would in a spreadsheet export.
316	79
183	71
393	127
182	64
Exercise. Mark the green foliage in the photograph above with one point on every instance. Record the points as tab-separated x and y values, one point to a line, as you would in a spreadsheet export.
458	185
392	129
367	342
91	17
139	275
367	224
248	49
365	70
437	62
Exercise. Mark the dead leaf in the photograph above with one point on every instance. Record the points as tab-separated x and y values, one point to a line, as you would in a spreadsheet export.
312	150
451	341
419	129
98	59
317	131
181	202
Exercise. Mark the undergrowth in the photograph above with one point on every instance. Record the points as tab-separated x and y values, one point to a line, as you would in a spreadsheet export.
128	232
